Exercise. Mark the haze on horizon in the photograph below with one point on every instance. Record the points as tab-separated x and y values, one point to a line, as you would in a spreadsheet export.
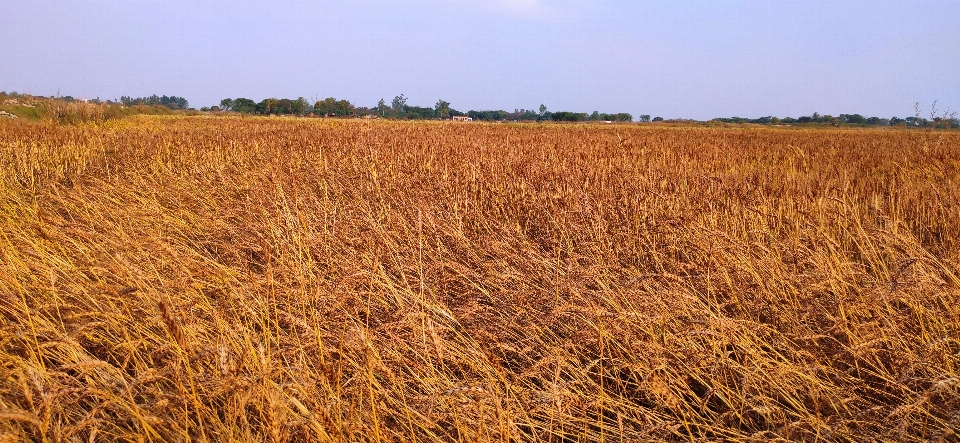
676	59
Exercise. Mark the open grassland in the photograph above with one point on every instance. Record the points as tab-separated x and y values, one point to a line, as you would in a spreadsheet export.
231	279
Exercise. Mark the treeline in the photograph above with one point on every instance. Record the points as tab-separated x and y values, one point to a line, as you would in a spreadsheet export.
398	108
947	120
13	104
564	116
270	106
172	102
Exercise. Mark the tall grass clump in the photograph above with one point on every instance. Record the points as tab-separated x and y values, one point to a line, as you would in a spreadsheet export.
76	112
267	279
64	112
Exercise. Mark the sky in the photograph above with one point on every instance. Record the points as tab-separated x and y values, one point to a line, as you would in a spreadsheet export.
675	59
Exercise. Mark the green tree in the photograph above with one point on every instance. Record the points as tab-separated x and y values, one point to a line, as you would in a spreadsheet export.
564	116
332	107
244	105
266	106
284	107
299	106
442	109
326	107
855	119
226	104
399	103
343	108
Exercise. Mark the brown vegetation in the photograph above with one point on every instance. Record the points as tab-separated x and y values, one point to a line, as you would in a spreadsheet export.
64	111
214	279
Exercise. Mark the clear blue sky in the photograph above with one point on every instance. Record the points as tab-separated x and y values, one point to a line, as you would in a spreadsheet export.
691	59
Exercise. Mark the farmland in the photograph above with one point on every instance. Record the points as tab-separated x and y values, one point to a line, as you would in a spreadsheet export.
277	279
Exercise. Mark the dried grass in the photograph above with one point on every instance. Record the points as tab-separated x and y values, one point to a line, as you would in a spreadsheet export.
227	279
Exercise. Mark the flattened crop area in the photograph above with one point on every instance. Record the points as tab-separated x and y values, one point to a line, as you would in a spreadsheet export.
252	279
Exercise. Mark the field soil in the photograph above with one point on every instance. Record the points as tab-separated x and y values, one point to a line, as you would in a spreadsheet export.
270	279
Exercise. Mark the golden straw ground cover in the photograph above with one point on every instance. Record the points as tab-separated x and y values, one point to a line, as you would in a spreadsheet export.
251	279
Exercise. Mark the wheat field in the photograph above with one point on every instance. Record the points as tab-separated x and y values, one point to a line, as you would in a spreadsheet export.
312	280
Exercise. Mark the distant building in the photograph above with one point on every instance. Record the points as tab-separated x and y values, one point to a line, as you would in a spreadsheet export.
462	118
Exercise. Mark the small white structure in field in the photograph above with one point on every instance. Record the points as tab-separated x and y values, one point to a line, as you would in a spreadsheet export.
462	118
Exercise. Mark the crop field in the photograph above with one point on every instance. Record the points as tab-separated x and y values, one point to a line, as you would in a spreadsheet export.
314	280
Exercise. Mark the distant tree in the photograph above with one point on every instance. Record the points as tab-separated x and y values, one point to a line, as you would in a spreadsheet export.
244	105
333	107
658	119
325	107
181	102
855	119
645	117
399	103
344	108
442	109
564	116
284	107
762	120
382	108
266	106
528	115
226	104
419	113
914	121
364	111
543	111
488	115
172	102
735	120
299	106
